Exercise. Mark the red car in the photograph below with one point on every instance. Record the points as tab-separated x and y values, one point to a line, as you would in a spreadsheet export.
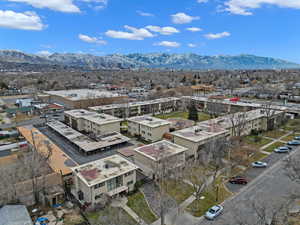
238	180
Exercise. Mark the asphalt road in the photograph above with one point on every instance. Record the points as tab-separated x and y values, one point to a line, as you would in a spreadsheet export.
272	184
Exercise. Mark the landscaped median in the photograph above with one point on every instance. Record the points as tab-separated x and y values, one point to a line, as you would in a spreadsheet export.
198	207
139	205
273	146
258	156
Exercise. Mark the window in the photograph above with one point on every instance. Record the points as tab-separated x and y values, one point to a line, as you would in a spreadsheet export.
98	196
99	185
130	182
128	174
115	183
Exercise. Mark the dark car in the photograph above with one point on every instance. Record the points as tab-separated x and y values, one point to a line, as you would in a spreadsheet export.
238	180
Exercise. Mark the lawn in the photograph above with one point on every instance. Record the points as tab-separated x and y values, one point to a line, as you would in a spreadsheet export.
273	146
292	125
258	157
257	141
275	134
139	205
178	190
117	215
289	138
73	219
202	116
199	207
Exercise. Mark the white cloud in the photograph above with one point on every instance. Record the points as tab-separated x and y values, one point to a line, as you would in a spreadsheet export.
89	39
182	18
163	30
202	1
192	45
244	7
168	44
44	53
57	5
97	4
217	35
134	34
194	29
141	13
21	21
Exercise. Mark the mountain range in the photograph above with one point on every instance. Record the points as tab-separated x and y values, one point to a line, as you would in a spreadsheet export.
151	60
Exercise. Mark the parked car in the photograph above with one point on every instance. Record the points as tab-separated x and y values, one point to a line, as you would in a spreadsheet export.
259	164
294	142
213	212
43	116
283	149
238	180
297	138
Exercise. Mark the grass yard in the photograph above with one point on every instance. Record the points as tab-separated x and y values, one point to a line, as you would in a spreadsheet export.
178	190
139	205
289	138
73	219
202	116
291	125
259	142
258	157
273	146
275	133
112	214
198	207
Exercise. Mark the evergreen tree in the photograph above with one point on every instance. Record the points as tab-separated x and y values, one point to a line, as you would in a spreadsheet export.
193	113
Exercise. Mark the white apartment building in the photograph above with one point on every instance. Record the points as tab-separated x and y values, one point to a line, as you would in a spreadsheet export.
150	157
92	122
110	176
149	128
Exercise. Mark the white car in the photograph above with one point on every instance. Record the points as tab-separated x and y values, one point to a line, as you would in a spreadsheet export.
259	164
213	212
283	149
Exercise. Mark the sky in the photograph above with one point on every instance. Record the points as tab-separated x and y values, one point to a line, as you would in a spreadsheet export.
101	27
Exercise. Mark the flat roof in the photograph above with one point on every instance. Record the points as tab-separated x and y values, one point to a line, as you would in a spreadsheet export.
82	94
103	169
59	161
161	149
94	117
133	104
84	142
149	121
200	132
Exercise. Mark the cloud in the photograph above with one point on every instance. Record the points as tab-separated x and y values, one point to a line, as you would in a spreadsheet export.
202	1
168	44
93	40
134	34
217	35
141	13
21	21
163	30
44	53
97	4
194	29
182	18
192	45
244	7
58	5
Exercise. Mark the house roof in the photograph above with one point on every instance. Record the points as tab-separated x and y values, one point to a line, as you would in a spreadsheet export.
14	215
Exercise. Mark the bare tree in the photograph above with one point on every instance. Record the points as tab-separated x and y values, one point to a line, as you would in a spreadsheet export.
238	122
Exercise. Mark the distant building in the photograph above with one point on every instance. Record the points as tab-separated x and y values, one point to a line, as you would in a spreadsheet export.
110	176
81	98
92	122
149	128
150	157
130	109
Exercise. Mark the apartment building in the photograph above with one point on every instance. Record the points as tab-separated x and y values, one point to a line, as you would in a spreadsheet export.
110	176
130	109
151	157
81	98
149	128
194	138
92	122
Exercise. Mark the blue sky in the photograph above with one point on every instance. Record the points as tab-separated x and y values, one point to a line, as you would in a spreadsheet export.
206	27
